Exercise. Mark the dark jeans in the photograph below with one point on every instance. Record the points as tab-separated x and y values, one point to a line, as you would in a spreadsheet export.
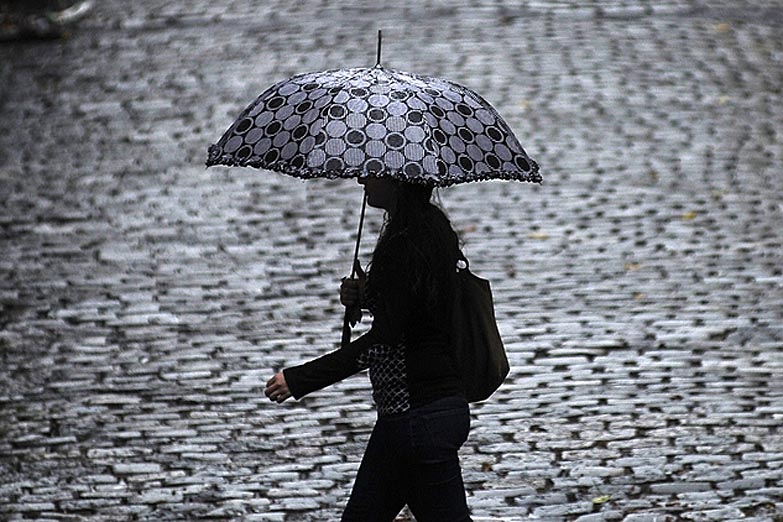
412	459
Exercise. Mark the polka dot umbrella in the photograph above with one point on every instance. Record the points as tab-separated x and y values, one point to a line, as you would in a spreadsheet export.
349	123
362	122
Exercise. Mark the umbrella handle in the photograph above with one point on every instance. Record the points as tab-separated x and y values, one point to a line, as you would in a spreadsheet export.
346	337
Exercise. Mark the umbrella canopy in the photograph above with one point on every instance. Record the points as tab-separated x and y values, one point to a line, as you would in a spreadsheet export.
360	122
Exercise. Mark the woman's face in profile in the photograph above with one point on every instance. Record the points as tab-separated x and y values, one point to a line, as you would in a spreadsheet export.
381	192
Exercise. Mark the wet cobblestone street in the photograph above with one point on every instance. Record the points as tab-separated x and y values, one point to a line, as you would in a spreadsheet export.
145	300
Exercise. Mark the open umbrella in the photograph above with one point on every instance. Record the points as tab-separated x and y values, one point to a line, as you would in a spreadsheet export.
362	122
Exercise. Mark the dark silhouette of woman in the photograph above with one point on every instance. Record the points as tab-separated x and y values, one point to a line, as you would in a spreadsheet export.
423	417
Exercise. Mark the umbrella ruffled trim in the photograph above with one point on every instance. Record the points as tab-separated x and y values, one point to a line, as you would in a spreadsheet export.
357	172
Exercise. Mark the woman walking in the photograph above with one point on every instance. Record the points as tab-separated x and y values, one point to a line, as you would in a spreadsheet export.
423	417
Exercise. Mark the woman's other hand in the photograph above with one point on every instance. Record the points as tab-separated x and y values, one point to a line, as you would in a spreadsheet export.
352	294
352	290
277	389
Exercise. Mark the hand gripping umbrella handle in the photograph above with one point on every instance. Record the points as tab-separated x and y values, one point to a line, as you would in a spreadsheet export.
346	338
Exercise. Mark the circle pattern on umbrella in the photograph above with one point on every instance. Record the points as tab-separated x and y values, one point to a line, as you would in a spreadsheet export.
374	122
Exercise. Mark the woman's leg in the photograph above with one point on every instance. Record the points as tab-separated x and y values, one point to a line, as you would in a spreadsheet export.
377	495
436	492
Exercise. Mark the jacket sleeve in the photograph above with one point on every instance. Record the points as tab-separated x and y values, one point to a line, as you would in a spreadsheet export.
327	369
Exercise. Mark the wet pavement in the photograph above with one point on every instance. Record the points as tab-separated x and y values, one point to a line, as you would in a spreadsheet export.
144	299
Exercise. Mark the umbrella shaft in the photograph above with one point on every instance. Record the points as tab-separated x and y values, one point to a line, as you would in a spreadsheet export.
346	337
358	236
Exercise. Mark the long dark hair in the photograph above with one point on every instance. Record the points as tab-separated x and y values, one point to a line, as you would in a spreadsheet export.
417	240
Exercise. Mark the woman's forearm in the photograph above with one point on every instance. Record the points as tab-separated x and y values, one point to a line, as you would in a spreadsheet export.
327	369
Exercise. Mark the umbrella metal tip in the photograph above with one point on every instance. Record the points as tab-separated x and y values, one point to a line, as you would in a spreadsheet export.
378	58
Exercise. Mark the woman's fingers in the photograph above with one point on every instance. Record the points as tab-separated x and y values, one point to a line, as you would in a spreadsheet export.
277	395
280	398
349	292
277	389
349	297
271	387
350	285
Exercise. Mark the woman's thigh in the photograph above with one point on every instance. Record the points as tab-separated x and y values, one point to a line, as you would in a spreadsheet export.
436	491
377	494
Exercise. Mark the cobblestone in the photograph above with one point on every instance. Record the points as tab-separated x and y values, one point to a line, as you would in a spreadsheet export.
144	300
